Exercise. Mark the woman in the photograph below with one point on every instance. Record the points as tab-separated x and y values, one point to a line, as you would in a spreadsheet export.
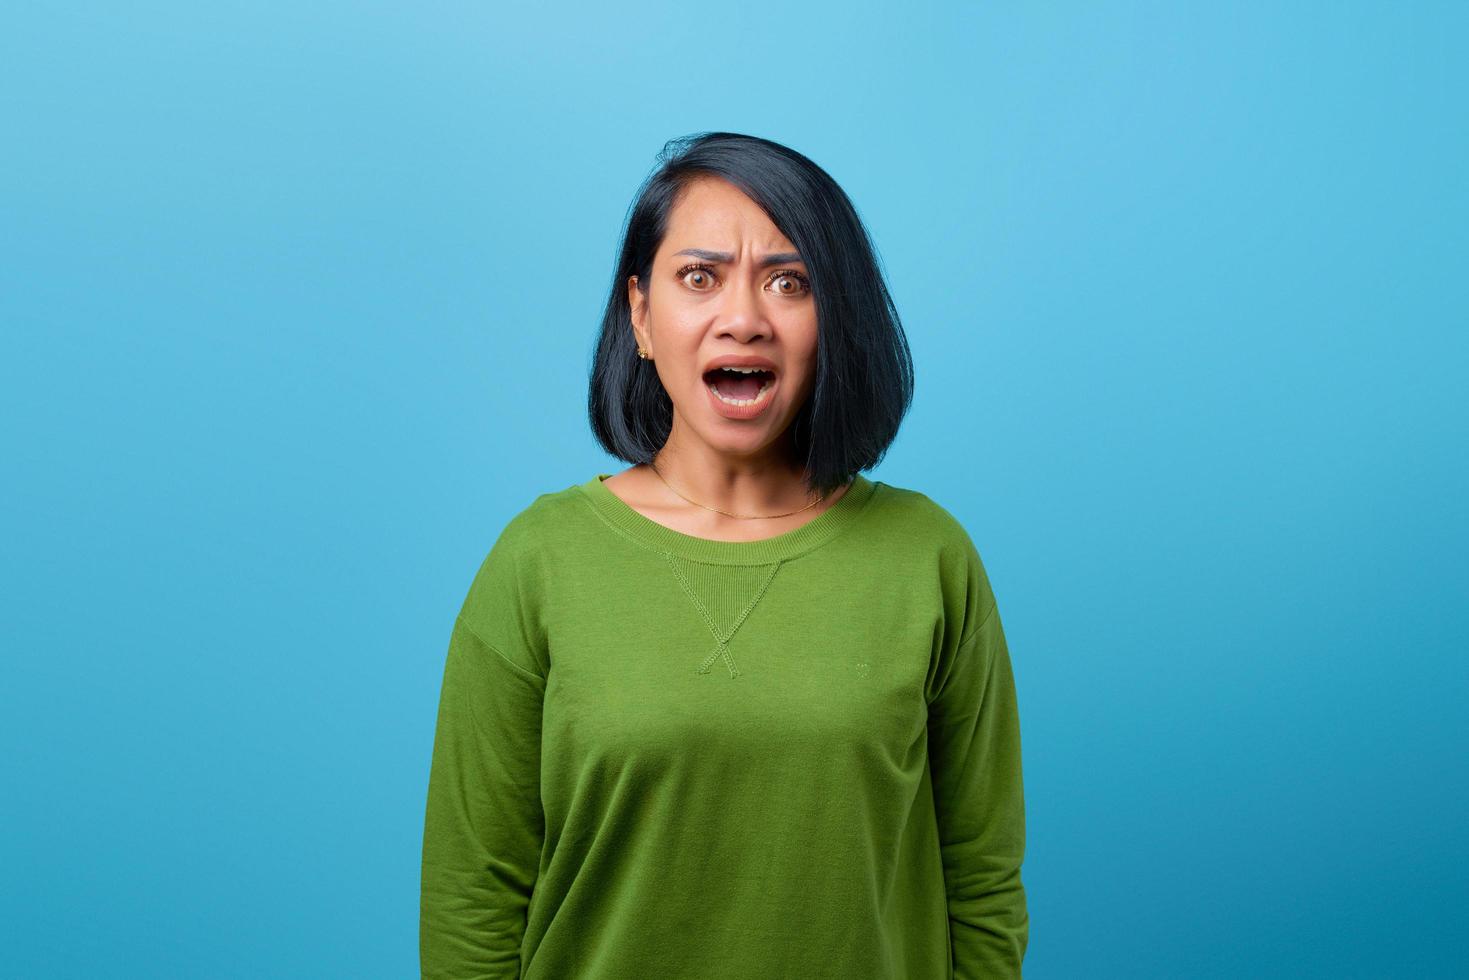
737	711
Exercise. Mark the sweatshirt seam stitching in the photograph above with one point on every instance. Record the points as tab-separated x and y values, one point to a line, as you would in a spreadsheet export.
930	702
709	560
721	637
982	623
496	651
671	552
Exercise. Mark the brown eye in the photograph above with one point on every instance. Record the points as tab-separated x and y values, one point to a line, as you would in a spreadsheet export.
696	276
802	284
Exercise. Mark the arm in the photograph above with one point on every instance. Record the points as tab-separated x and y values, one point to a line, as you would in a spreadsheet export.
484	827
974	755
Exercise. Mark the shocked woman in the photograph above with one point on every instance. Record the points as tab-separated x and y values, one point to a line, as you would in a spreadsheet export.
737	712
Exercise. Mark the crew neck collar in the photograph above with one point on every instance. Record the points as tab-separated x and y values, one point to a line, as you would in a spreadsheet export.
649	532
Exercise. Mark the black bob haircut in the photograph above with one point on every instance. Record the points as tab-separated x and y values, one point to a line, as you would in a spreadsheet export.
864	369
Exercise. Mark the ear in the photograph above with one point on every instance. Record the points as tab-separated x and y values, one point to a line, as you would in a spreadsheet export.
638	305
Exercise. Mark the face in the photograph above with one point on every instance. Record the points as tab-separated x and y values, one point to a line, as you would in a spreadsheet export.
727	286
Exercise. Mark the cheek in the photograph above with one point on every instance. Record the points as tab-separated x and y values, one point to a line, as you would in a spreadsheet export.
677	345
804	385
801	356
677	335
801	337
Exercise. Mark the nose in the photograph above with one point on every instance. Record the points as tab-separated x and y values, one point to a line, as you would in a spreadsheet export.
741	315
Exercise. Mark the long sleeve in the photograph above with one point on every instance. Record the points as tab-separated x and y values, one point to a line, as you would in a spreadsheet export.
484	826
974	755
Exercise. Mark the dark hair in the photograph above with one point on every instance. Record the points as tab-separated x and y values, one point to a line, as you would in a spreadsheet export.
864	370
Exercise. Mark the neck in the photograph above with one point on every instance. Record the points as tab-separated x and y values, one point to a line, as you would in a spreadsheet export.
768	483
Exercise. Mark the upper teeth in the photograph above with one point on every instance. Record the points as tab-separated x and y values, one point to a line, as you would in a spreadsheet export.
741	370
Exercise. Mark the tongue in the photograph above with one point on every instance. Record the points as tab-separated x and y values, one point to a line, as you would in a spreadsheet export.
740	386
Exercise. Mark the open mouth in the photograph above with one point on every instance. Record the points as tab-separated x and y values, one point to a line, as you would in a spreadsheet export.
739	386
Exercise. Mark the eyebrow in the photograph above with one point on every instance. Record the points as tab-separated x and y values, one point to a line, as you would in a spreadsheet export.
774	258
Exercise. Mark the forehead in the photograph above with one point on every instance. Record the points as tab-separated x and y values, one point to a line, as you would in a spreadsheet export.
712	213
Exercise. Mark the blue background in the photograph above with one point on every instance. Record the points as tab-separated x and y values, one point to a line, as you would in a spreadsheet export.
298	305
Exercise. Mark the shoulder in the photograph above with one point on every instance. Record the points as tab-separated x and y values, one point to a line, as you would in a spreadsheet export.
929	531
503	604
922	516
532	535
529	526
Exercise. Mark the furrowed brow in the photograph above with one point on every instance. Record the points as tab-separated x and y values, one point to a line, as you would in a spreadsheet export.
775	258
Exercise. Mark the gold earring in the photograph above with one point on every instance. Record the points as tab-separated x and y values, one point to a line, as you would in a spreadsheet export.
643	354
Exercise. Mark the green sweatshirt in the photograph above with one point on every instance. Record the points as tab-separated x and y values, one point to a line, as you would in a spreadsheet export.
665	757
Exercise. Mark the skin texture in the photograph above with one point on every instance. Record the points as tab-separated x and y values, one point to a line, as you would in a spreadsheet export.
739	307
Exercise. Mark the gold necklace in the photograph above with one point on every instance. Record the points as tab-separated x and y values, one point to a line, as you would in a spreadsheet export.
744	517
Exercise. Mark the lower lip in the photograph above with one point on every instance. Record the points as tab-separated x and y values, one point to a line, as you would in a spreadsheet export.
743	412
